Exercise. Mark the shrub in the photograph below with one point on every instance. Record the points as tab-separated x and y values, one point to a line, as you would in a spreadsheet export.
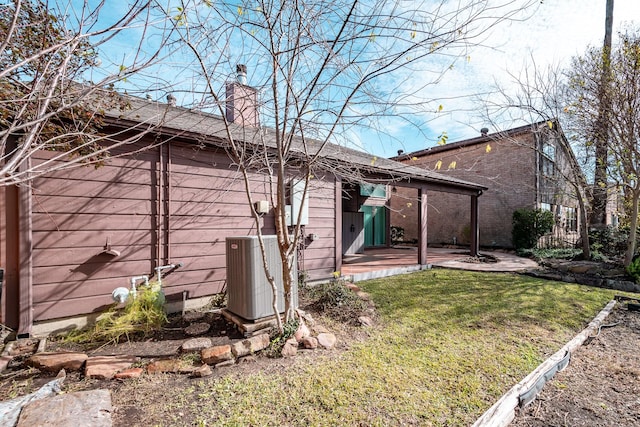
611	241
529	225
634	269
337	301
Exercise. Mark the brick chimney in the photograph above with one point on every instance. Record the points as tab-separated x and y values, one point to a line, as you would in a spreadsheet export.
242	100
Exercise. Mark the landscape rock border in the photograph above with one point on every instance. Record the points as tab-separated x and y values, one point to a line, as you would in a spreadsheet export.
502	413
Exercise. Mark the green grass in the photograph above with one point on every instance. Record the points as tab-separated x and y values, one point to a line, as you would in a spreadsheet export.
451	343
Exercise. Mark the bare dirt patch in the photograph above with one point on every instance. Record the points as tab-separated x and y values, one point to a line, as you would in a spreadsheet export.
601	385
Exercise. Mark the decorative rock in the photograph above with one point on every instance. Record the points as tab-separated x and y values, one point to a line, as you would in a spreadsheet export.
164	365
250	345
365	321
203	371
247	359
622	285
290	348
306	317
363	295
326	340
21	347
196	344
319	329
4	362
310	343
226	363
217	354
105	367
353	287
580	268
82	408
53	362
42	345
197	329
193	316
129	373
302	331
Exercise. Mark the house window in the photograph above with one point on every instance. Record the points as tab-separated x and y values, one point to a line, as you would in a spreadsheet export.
545	207
572	219
548	159
373	190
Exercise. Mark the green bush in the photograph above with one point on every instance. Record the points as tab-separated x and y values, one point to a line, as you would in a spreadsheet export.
529	225
634	269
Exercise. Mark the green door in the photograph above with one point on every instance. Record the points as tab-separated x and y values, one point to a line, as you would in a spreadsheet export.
374	225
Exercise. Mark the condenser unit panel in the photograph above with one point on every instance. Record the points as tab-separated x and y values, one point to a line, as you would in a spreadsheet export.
249	294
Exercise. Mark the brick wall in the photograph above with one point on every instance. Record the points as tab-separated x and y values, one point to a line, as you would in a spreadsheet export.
506	166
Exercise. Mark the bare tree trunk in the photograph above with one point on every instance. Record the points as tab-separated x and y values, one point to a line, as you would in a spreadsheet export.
601	136
584	230
633	223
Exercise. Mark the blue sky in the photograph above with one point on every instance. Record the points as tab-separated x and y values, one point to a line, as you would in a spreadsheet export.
558	30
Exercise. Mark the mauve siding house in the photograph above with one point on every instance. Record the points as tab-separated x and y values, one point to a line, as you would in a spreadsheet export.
524	167
74	235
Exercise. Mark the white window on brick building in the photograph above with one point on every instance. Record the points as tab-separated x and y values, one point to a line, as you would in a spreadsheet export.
548	159
572	219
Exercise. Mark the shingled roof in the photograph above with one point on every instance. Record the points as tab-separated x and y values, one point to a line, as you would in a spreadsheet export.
483	139
202	126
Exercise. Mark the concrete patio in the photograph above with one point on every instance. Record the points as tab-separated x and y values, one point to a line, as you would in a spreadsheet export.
382	262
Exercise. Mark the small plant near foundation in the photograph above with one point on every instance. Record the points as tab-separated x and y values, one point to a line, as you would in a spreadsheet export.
218	300
278	340
141	315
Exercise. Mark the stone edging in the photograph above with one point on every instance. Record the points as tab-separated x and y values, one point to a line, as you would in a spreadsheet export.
503	411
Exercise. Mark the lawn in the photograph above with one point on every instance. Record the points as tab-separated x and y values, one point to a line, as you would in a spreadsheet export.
449	343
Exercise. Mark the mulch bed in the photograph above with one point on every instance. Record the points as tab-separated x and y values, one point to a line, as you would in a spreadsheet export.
601	385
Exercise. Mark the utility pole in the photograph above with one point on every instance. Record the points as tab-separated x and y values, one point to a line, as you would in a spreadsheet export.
601	134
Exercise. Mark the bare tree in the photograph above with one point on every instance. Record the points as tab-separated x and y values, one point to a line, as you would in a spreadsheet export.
55	83
623	118
322	70
535	96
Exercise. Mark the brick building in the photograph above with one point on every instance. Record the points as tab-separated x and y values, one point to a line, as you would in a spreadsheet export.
524	167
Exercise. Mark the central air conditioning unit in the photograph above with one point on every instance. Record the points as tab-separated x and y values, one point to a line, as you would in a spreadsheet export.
249	294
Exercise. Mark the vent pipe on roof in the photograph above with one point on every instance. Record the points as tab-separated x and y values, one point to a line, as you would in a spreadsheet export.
484	131
171	100
400	152
241	74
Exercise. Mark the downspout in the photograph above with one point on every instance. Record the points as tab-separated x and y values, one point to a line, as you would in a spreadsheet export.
168	224
160	214
338	225
25	281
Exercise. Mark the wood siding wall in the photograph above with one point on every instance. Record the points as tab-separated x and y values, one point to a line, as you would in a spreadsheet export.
169	204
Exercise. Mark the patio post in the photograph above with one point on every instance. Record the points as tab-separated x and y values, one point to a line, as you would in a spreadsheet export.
475	241
422	226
